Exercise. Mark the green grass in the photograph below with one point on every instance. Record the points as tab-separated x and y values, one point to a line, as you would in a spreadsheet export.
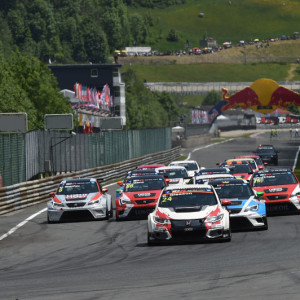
210	72
242	20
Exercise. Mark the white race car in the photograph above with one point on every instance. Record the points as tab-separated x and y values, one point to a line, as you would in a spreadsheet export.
78	199
200	179
191	166
174	174
189	213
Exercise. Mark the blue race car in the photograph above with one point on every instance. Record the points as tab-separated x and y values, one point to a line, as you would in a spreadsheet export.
246	210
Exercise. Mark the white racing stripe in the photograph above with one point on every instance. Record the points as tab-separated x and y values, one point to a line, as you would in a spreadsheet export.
12	230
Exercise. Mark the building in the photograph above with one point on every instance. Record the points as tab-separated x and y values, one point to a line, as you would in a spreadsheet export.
93	76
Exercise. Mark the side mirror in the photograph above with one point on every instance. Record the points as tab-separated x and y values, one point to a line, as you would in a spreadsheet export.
120	183
259	194
226	202
104	190
52	194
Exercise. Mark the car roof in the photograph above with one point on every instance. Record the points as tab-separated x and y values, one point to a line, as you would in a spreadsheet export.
79	180
183	161
273	171
232	181
214	176
146	177
171	167
246	156
187	186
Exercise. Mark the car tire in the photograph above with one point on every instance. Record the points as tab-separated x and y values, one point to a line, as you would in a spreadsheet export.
107	214
150	242
48	220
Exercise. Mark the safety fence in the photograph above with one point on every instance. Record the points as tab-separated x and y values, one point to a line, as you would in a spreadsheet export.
29	193
37	153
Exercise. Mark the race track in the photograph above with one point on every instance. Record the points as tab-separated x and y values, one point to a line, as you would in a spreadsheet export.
111	260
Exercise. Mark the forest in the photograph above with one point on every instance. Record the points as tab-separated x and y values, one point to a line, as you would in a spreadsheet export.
35	33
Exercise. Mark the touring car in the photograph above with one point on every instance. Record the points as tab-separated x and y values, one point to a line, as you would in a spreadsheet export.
139	196
246	210
189	213
200	179
77	199
191	166
281	190
174	174
268	154
261	165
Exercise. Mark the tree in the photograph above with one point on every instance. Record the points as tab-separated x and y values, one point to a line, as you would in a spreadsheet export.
172	36
212	98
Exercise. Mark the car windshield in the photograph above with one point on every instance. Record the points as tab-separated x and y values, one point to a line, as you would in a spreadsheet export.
188	166
258	161
187	198
213	171
265	151
144	184
242	168
174	173
77	187
274	179
228	191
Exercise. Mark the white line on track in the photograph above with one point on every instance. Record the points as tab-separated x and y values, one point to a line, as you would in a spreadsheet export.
12	230
296	159
207	146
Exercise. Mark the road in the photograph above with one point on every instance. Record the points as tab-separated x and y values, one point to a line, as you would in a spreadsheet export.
111	260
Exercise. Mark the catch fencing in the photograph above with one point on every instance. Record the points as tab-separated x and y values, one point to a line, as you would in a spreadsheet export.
29	193
30	155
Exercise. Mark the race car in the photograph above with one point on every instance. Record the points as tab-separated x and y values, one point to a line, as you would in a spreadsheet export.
189	213
246	210
81	198
149	167
251	161
135	172
139	196
261	165
191	166
174	174
240	169
268	154
281	190
210	177
209	171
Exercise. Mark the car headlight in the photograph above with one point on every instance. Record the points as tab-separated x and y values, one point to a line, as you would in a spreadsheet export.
57	204
124	201
295	195
97	201
214	219
161	220
252	207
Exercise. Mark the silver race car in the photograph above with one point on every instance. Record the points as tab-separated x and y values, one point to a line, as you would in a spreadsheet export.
77	199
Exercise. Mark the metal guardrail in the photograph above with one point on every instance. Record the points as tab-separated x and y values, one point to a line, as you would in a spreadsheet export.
29	193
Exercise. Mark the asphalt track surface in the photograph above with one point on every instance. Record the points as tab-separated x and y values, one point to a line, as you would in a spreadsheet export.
111	260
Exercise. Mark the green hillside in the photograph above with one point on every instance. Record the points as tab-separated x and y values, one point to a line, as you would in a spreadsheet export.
242	20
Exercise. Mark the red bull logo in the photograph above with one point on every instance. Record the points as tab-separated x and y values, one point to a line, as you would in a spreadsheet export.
264	96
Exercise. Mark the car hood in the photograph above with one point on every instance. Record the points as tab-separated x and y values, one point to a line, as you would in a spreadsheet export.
204	212
142	194
77	197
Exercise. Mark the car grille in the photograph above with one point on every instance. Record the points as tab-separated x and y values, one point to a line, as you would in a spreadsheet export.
234	210
235	202
276	208
178	224
144	201
277	197
77	215
240	223
188	230
72	205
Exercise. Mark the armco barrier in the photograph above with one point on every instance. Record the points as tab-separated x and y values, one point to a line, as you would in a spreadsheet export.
28	193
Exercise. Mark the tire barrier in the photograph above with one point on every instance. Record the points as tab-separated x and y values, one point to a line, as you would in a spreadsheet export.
29	193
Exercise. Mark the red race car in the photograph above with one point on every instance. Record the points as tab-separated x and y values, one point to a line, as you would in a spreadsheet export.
139	196
281	190
261	165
